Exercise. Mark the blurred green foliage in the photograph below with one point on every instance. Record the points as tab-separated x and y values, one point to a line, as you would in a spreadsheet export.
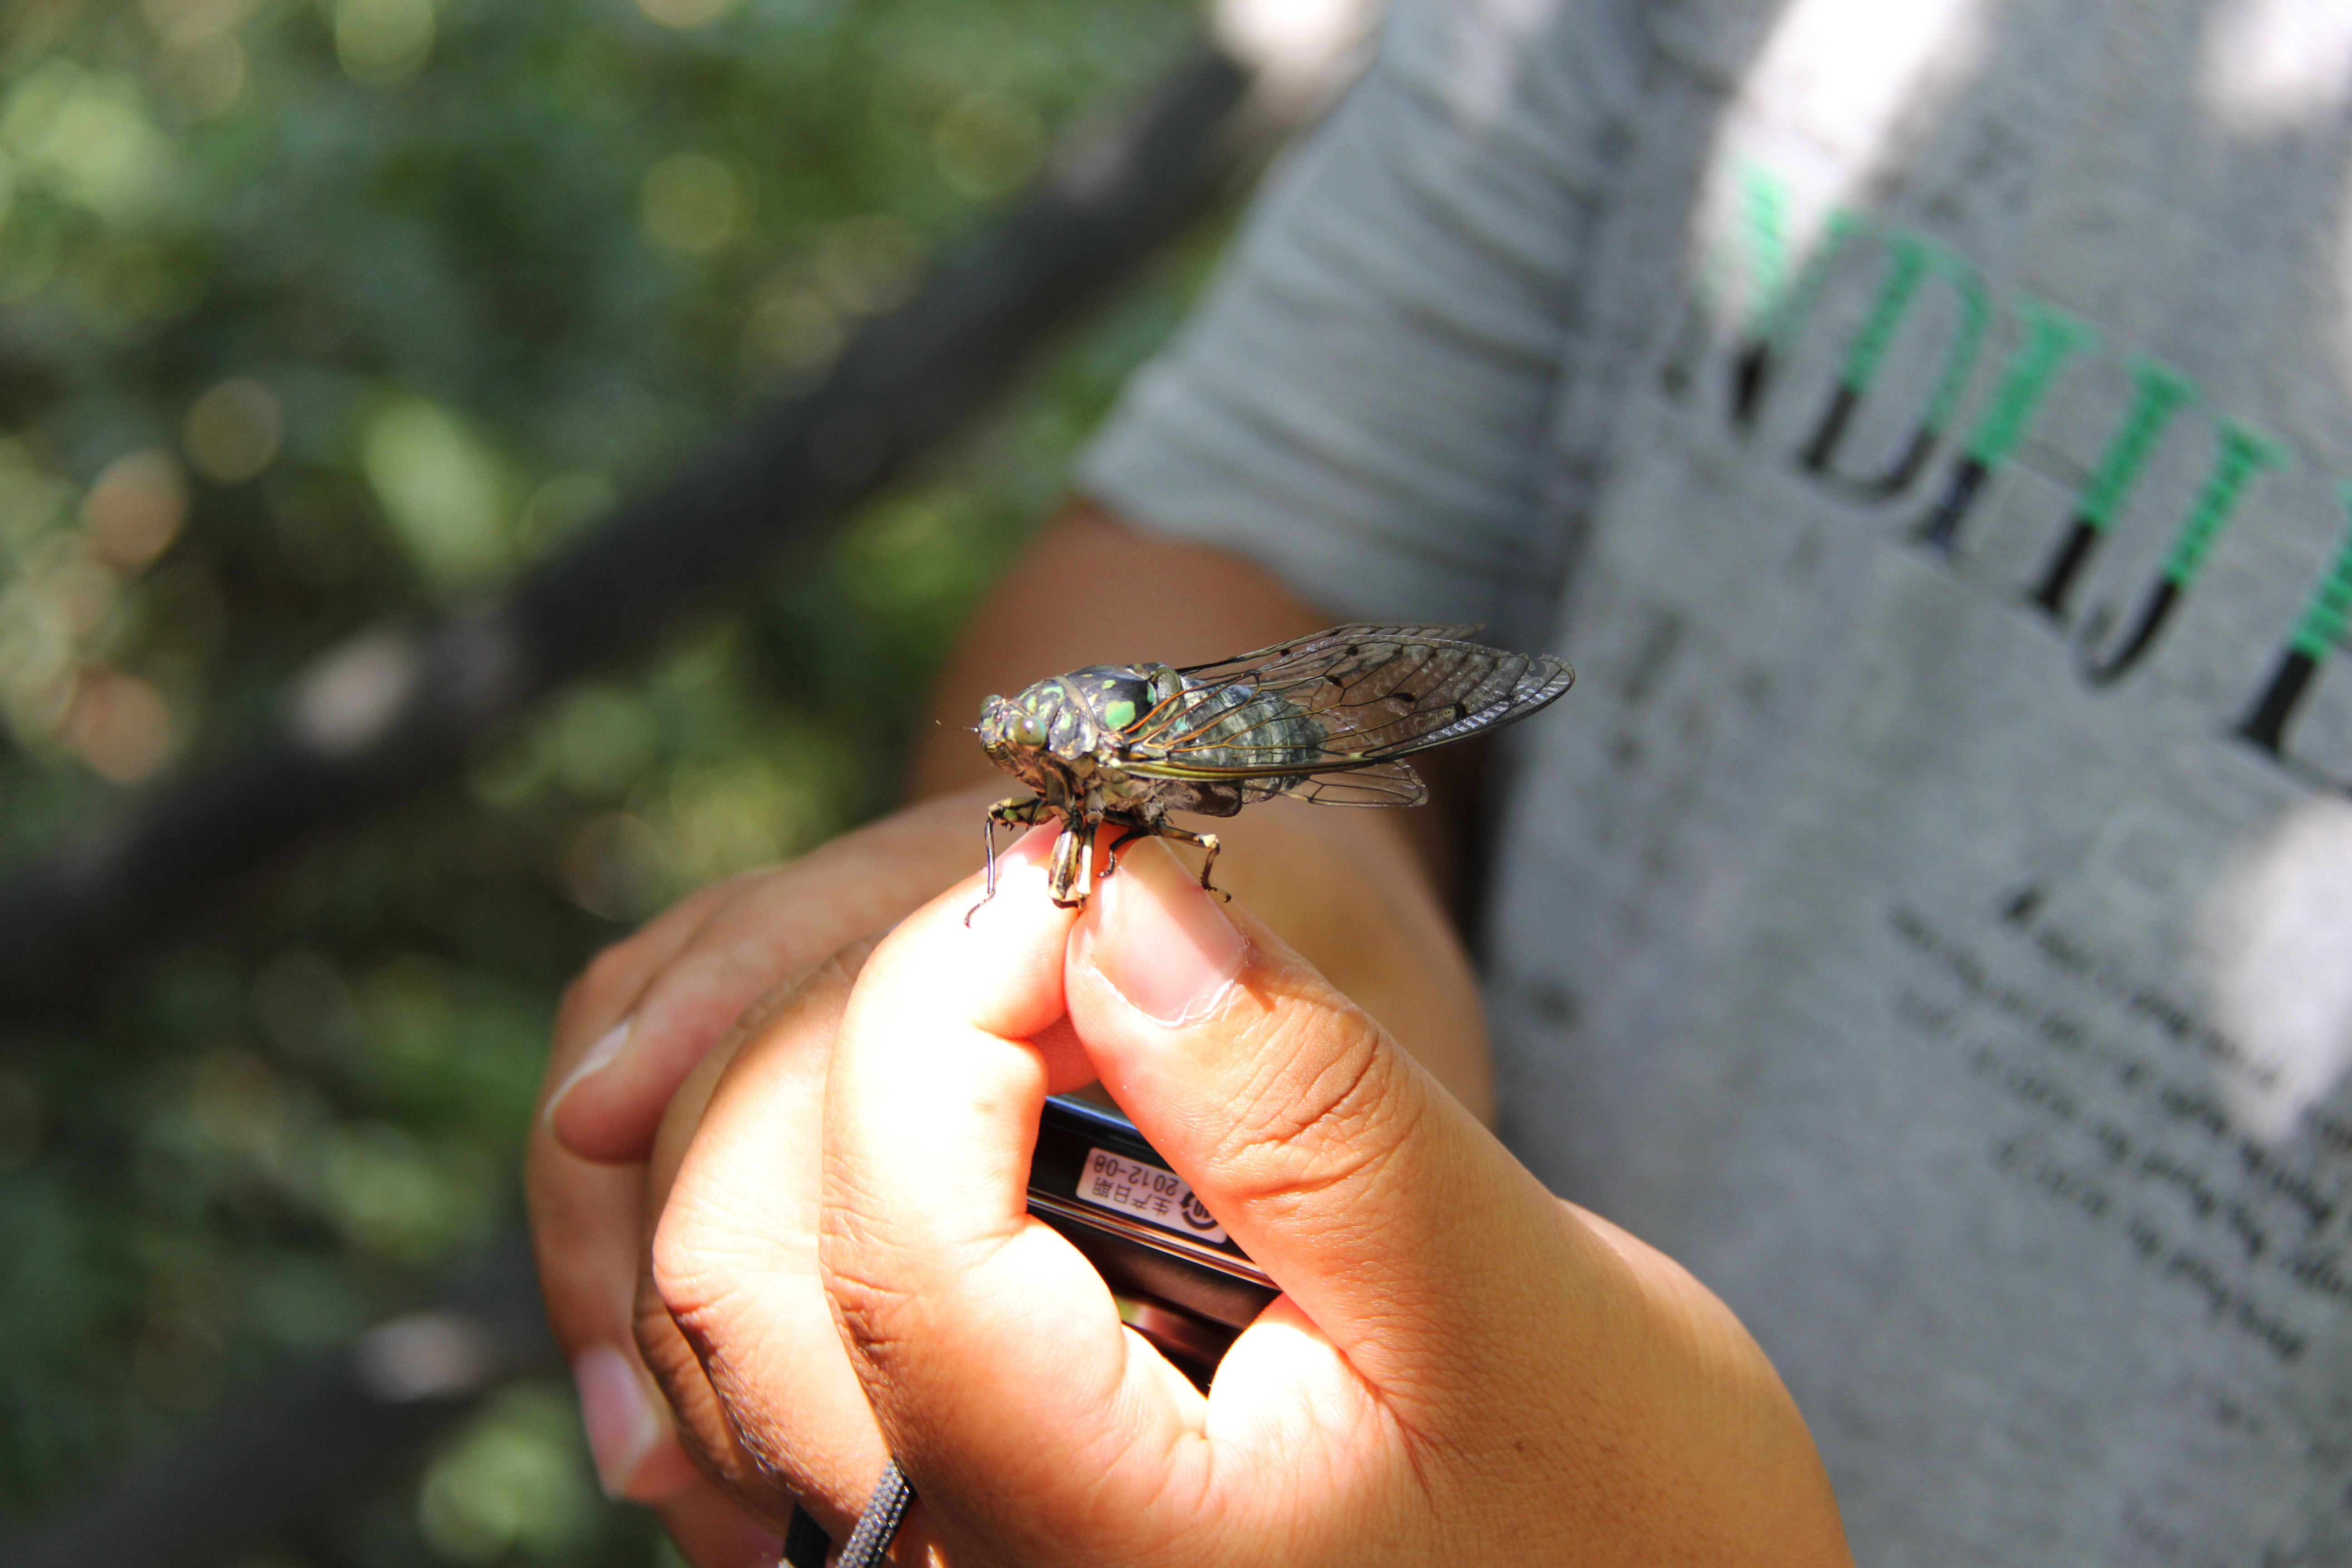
313	314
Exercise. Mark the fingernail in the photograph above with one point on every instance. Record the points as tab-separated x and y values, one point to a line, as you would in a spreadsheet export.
1162	941
600	1057
623	1426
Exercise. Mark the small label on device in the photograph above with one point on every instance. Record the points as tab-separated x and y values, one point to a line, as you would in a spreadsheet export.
1129	1186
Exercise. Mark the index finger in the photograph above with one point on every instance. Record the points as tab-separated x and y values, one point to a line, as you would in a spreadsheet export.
770	924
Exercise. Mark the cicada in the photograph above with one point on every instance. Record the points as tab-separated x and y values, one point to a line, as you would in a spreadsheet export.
1329	718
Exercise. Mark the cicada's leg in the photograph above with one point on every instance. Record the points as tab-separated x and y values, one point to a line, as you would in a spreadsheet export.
1013	811
1074	854
1134	830
1208	843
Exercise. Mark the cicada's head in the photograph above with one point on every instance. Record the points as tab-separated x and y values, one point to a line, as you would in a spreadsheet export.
1019	732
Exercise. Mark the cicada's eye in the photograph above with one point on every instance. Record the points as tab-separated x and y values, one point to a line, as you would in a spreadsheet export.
1026	730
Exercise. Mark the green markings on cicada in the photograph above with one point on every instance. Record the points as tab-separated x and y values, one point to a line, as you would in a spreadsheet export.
1119	691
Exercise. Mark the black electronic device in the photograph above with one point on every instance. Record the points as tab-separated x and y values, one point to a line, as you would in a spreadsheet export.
1182	1282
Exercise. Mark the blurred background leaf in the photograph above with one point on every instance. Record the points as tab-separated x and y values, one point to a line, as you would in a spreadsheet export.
313	315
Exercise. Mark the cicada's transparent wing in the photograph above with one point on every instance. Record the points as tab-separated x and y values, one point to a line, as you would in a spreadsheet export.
1341	701
1374	783
1309	651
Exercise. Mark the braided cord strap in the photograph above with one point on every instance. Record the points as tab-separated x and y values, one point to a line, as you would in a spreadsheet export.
884	1511
805	1542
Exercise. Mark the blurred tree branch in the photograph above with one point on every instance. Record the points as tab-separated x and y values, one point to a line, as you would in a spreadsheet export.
393	713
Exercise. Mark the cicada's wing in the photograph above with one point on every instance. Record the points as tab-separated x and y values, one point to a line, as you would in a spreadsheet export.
1348	640
1373	784
1350	701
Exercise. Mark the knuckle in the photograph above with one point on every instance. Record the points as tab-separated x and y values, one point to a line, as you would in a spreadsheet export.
1329	1107
877	1320
684	1268
871	1298
685	1371
866	1303
671	1353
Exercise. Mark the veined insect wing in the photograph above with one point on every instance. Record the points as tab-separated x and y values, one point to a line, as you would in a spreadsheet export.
1369	694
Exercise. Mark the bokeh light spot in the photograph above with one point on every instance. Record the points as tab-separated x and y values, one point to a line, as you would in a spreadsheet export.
85	592
87	137
603	739
184	22
120	725
136	509
726	818
206	76
686	12
37	668
383	42
612	867
442	489
233	431
696	204
517	1482
32	500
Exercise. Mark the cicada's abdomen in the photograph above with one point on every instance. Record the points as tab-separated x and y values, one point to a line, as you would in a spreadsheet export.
1254	729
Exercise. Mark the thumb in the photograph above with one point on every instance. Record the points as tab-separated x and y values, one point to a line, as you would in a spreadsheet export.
1380	1204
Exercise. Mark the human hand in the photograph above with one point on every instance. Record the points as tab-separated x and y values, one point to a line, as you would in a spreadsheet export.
632	1027
1461	1368
1342	885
